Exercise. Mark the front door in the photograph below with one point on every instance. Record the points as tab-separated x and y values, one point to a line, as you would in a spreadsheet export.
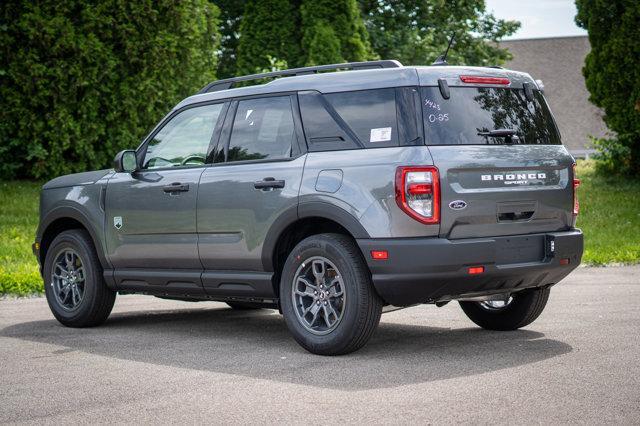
241	198
151	214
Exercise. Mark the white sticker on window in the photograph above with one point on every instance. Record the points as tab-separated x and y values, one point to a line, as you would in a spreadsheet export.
380	135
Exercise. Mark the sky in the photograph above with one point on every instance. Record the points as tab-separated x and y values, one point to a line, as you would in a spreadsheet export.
538	18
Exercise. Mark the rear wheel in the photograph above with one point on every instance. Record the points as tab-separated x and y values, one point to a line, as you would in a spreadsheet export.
327	298
516	311
74	286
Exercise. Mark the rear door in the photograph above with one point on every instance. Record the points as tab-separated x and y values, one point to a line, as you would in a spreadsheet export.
502	167
255	181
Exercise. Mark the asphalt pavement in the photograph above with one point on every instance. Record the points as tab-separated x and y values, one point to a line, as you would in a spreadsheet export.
158	361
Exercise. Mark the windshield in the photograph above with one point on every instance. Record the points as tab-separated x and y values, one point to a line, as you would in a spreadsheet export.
472	112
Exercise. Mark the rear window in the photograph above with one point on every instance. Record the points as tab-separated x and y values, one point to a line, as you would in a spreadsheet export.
470	111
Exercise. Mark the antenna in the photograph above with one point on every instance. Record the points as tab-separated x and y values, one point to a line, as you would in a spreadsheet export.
442	59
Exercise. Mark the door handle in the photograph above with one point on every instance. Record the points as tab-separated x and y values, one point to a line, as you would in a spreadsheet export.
268	183
176	187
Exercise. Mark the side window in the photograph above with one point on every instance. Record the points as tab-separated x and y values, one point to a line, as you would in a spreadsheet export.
184	140
371	114
262	129
322	131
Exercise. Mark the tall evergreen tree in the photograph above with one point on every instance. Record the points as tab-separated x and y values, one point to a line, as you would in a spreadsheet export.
268	32
231	12
612	72
333	31
82	80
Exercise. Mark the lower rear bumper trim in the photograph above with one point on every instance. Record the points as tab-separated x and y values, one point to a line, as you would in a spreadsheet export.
427	270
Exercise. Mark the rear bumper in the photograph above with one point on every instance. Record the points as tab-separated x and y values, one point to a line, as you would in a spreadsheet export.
427	270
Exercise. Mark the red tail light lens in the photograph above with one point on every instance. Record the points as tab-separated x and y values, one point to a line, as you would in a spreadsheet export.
576	184
476	79
418	193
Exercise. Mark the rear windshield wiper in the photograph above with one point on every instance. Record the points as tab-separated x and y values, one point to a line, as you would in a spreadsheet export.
498	133
509	135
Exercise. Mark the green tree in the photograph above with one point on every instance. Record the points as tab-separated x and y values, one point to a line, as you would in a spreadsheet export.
230	19
417	32
80	81
333	31
612	73
269	29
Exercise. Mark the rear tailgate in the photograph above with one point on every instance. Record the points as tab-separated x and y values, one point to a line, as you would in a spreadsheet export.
495	190
502	167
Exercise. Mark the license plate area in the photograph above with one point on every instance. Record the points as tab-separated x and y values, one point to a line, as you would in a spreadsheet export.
520	249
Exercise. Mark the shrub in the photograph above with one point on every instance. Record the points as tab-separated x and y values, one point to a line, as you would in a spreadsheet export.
81	80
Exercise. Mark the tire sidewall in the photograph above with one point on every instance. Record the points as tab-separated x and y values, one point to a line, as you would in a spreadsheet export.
519	313
72	240
321	246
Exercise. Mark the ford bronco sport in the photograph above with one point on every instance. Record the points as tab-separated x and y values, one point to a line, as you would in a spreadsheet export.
328	193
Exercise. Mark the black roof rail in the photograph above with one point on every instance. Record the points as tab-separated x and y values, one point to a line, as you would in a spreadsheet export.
228	83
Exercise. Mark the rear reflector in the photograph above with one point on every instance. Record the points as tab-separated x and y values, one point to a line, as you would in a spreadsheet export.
576	184
475	270
565	261
476	79
379	254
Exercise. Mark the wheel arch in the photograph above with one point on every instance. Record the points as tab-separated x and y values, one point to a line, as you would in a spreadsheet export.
62	219
295	225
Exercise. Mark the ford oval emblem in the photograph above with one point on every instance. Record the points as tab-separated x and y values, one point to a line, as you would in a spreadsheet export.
457	205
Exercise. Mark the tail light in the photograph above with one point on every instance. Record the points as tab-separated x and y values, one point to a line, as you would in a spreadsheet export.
418	193
576	184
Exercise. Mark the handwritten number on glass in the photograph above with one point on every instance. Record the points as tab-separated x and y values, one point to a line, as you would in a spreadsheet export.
431	104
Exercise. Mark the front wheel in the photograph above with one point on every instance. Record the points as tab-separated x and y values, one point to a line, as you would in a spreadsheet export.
326	295
516	311
74	286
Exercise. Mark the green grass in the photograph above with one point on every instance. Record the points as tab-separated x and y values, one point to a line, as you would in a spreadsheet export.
18	222
609	217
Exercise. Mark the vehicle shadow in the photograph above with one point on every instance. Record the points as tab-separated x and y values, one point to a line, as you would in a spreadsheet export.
257	344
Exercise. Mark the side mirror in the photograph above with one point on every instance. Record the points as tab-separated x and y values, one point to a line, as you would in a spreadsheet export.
125	161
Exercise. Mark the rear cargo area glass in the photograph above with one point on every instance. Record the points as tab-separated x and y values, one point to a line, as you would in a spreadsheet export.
473	110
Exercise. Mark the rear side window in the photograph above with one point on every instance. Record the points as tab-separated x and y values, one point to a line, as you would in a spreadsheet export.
262	129
471	112
371	114
375	118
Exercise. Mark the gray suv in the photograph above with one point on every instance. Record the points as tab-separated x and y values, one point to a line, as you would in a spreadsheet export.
329	193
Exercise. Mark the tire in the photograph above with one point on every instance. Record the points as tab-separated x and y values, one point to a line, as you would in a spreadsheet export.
96	302
244	306
356	313
523	309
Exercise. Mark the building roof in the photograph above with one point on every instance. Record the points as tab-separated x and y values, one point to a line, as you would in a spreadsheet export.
558	62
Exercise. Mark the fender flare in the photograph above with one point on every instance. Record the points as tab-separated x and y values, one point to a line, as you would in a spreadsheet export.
304	210
72	212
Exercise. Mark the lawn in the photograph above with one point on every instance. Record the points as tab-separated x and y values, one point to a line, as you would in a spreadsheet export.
609	217
18	223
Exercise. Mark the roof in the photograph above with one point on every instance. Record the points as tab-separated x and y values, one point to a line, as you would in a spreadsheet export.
341	81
